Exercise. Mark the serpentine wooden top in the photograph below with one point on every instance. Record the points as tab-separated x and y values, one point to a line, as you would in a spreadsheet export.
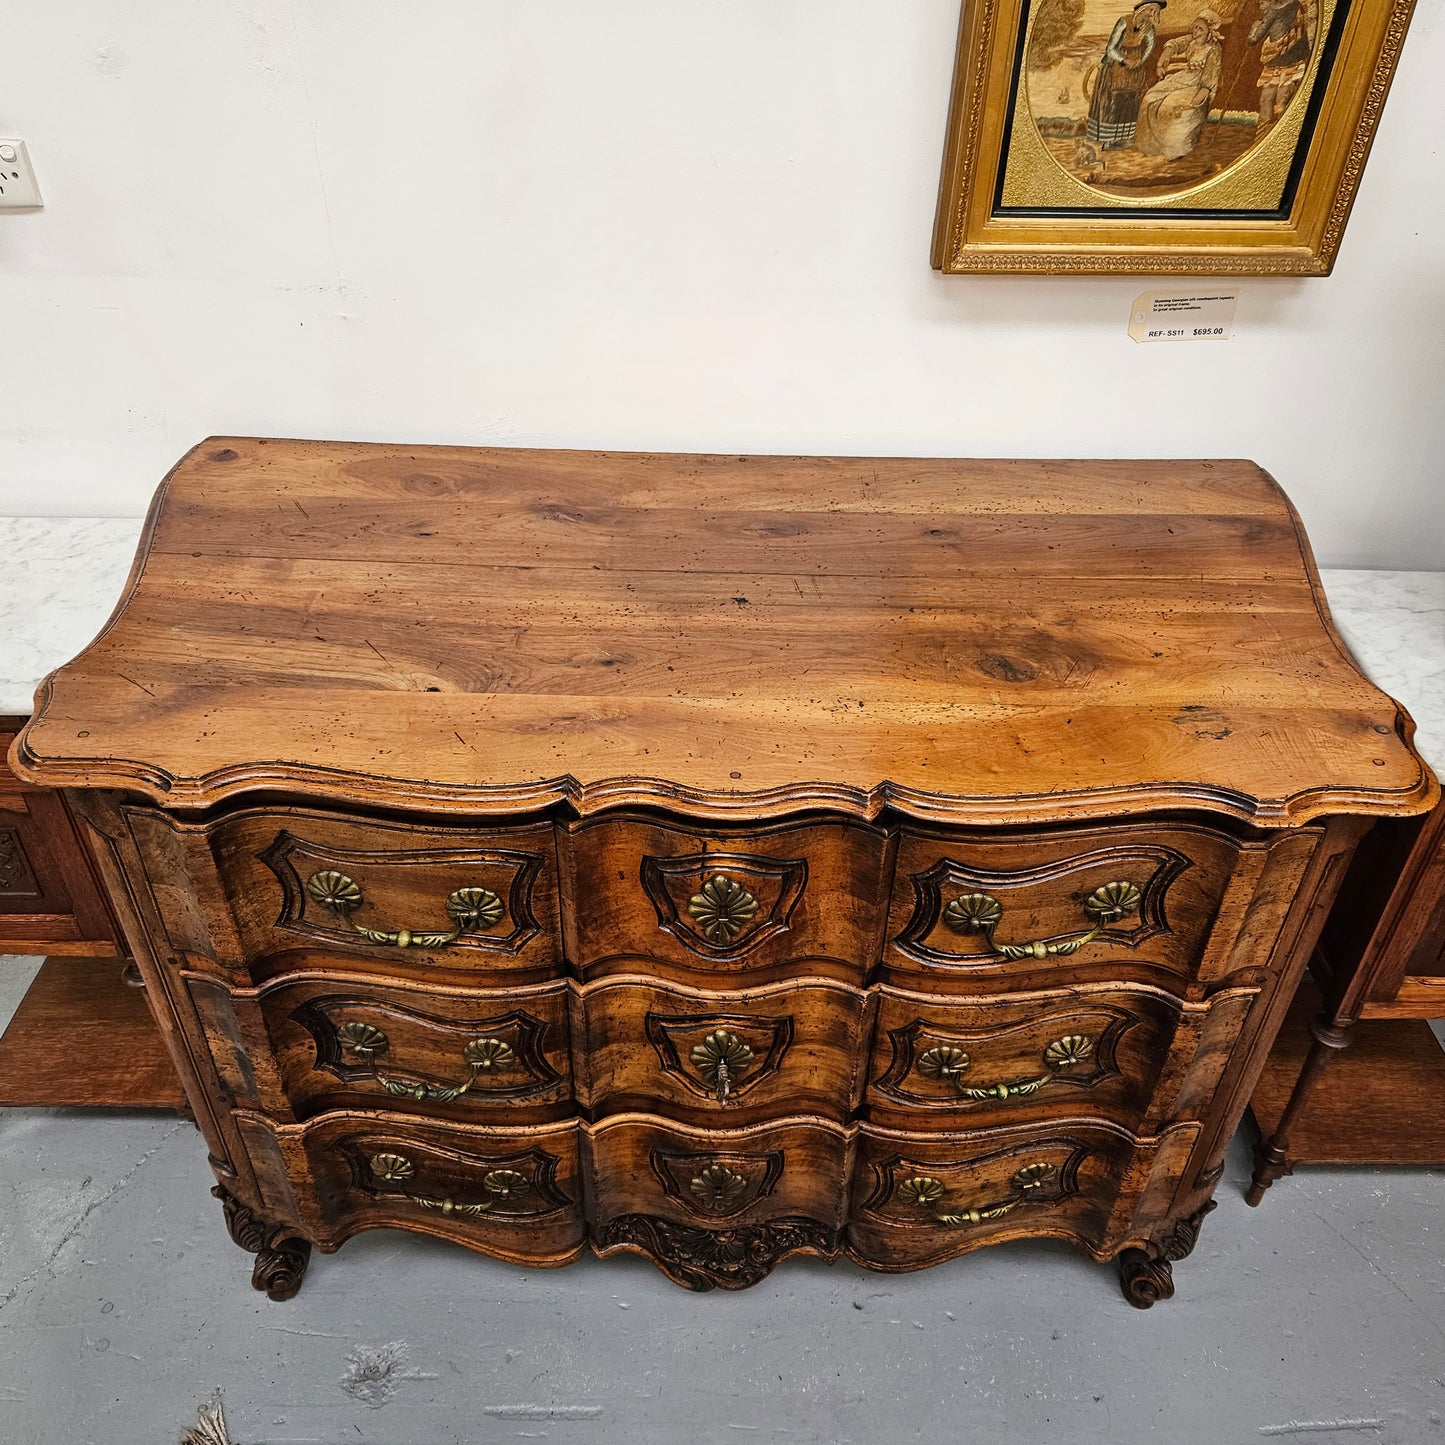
495	630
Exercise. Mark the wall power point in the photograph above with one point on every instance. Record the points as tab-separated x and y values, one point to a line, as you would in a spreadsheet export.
19	190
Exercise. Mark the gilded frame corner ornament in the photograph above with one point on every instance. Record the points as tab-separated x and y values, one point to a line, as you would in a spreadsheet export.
1335	114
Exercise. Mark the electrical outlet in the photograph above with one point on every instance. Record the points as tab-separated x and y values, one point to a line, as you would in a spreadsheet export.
19	190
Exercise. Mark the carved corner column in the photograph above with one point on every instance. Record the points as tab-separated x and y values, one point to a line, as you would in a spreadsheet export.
281	1258
1147	1275
1271	1155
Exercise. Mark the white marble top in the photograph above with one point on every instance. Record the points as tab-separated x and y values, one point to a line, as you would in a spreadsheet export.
65	574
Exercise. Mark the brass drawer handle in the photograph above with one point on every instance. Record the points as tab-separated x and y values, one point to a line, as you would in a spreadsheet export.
483	1057
948	1062
979	913
500	1184
474	909
926	1193
721	1059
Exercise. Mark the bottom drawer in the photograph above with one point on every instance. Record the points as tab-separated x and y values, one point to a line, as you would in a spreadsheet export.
919	1199
718	1206
514	1193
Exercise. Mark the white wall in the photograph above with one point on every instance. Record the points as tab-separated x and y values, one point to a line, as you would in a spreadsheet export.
686	224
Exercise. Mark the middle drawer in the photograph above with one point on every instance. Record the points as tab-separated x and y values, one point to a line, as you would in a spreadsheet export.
1139	1056
714	1057
303	1044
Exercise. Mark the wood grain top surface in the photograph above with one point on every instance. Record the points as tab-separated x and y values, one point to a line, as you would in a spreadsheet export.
495	630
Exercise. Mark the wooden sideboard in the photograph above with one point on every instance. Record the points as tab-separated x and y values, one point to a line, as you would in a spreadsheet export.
50	899
719	857
82	1035
1357	1076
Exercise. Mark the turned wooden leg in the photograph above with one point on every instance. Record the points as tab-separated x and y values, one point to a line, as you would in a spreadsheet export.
281	1258
1147	1275
1271	1156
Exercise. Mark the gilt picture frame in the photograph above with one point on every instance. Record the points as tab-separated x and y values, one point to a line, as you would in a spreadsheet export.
1164	137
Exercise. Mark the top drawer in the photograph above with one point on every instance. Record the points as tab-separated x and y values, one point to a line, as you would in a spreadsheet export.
1058	903
709	901
262	882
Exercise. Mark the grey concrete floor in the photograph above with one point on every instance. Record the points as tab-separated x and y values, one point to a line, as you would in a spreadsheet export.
123	1305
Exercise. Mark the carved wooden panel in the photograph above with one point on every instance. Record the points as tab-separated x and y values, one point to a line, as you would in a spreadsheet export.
714	1183
17	877
721	1057
723	904
705	900
356	1170
921	1198
241	892
1019	905
923	1194
1032	898
453	1183
416	1056
701	1259
788	1168
934	1065
417	885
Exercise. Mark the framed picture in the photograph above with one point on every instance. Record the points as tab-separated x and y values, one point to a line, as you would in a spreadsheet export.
1166	136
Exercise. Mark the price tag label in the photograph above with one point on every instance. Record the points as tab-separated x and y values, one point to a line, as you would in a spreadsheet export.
1183	316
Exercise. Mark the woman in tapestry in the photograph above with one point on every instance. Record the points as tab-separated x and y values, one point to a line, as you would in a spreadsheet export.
1284	33
1173	112
1114	107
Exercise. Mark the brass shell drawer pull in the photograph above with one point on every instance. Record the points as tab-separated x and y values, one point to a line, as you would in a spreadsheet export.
721	1060
980	913
485	1058
499	1184
722	910
472	910
718	1188
950	1063
926	1193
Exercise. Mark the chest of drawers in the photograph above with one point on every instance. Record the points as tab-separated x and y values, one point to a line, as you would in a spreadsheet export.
719	857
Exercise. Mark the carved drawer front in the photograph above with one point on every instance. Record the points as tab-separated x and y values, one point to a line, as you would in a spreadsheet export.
511	1192
717	1206
500	1056
721	1057
918	1199
722	902
958	1065
1076	902
267	882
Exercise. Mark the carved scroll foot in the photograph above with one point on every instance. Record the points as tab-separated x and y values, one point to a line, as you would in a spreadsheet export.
281	1258
1147	1275
1144	1279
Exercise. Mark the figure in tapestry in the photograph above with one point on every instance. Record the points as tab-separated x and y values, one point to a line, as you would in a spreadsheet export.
1157	100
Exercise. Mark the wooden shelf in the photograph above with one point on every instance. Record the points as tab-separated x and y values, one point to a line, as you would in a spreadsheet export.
82	1037
1380	1101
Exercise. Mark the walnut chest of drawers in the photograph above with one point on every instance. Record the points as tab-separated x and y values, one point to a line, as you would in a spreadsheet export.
719	857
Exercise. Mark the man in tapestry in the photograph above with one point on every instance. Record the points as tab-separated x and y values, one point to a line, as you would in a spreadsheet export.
1114	107
1285	36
